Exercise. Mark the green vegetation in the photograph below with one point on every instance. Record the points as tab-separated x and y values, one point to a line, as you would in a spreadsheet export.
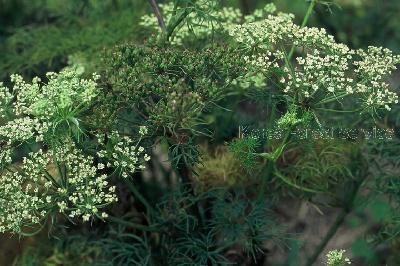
183	132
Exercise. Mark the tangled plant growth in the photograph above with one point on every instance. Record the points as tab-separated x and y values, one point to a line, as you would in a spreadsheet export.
74	144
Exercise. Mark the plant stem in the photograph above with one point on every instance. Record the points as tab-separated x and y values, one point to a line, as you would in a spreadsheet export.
265	179
157	13
184	172
339	111
332	99
244	4
304	23
132	225
332	231
347	208
271	163
174	23
309	11
288	182
139	196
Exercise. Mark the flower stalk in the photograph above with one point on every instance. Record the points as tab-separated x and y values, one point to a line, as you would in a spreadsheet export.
304	23
157	13
346	210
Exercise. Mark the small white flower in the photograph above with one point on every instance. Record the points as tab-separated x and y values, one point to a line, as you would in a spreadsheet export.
143	130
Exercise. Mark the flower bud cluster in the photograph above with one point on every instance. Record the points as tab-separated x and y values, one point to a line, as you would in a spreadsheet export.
179	109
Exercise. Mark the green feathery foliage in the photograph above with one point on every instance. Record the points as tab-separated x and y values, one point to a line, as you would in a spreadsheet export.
65	28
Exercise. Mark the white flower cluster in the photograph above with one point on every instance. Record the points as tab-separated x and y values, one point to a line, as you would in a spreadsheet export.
38	107
220	20
376	63
375	66
64	91
123	153
324	69
62	179
5	156
277	31
315	71
5	100
23	129
260	13
262	34
263	61
21	204
336	258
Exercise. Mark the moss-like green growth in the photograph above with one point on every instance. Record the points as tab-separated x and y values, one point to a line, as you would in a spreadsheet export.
171	86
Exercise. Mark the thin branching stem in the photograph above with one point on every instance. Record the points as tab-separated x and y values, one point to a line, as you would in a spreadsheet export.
139	196
157	13
133	225
304	23
346	209
175	22
271	162
245	7
332	231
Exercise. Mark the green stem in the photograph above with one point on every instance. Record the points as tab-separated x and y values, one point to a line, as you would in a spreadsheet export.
34	232
245	7
339	111
265	178
139	196
309	12
332	99
157	13
332	231
347	208
174	22
133	225
288	182
304	23
184	172
271	162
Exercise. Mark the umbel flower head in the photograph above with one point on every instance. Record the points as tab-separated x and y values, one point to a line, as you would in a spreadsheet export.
64	90
56	176
325	71
60	180
32	110
122	153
